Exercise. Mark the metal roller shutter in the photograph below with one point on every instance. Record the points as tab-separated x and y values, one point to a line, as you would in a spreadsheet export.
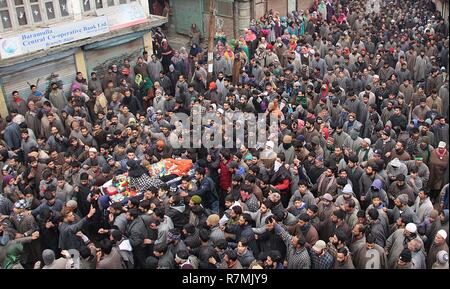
100	59
65	68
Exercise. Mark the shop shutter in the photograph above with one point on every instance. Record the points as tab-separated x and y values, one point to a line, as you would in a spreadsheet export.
65	68
100	59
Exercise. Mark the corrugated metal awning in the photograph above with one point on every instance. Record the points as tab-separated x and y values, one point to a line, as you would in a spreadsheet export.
114	41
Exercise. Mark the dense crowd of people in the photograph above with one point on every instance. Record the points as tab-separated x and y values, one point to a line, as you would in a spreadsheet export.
356	176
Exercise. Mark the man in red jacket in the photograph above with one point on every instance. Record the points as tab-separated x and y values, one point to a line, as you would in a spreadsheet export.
224	177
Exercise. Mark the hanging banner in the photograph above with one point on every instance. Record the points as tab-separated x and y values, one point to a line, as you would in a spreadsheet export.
122	16
46	38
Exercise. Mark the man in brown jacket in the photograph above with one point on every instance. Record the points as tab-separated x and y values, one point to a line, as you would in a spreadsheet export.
109	257
141	67
326	183
304	228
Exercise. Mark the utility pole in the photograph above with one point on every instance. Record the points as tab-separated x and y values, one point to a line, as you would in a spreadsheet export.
212	33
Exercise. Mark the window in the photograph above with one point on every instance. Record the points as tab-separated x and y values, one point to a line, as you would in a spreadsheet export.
20	12
98	4
4	14
90	5
50	10
86	5
64	9
36	11
206	5
17	14
222	7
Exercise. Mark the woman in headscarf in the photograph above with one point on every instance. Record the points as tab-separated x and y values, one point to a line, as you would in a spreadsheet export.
167	53
254	27
330	10
143	89
251	40
277	28
151	114
194	34
186	63
243	45
271	28
322	9
302	26
220	48
292	28
138	86
293	43
139	176
178	62
13	254
229	58
286	37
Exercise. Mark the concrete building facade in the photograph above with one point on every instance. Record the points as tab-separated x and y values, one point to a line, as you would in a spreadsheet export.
41	37
232	16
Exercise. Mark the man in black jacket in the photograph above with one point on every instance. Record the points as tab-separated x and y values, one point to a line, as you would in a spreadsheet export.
68	229
177	212
206	190
243	229
82	192
375	227
165	82
269	240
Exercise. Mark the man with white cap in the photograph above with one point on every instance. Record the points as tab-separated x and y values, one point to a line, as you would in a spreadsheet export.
365	152
94	159
397	240
438	245
441	260
438	164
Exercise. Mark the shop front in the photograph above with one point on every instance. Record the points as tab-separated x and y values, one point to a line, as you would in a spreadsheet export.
86	45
